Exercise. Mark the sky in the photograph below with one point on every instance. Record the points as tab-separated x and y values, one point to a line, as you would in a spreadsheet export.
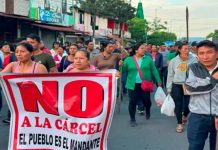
203	15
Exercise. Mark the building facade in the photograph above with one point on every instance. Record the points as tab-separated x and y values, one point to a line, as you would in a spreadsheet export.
53	21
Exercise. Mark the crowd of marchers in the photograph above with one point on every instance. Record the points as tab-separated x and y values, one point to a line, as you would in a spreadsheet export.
176	69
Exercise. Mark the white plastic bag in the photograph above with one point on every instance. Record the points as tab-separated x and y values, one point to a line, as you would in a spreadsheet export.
159	96
168	106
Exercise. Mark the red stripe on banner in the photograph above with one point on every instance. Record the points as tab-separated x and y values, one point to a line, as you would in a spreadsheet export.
8	77
35	149
109	109
56	75
16	114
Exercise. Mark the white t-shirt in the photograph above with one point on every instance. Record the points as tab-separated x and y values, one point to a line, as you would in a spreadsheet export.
211	71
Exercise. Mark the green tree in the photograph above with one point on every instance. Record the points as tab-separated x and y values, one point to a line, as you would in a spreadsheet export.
158	37
137	28
115	9
213	35
157	25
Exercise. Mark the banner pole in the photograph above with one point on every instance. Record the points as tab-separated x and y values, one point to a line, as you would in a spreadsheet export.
120	81
120	89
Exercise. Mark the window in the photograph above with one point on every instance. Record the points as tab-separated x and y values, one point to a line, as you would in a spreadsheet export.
81	17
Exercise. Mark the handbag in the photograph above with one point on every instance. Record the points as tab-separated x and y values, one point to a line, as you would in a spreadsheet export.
146	86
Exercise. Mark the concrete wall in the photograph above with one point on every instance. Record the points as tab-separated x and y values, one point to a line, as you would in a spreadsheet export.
48	37
102	25
2	6
21	7
87	21
100	22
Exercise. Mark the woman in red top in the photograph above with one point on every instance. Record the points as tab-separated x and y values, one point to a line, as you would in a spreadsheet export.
7	49
58	56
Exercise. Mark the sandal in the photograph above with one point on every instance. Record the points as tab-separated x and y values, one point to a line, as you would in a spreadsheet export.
179	128
184	120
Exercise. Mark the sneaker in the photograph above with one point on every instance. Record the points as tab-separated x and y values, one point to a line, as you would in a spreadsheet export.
6	121
140	112
133	123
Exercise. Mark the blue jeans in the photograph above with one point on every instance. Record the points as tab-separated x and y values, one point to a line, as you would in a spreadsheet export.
199	127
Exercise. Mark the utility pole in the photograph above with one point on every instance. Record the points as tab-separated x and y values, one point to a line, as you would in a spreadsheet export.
187	23
94	21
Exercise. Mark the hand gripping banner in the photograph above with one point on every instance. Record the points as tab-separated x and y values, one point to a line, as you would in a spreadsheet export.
69	111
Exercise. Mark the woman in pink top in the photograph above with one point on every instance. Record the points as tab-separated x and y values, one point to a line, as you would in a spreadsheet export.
25	64
81	63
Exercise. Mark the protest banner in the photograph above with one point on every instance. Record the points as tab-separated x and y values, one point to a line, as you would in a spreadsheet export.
68	111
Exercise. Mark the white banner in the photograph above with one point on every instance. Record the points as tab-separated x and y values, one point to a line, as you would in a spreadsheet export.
69	111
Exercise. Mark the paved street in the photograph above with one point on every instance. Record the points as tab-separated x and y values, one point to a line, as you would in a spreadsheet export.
158	133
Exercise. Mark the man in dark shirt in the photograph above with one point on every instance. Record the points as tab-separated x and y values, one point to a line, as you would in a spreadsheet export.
40	57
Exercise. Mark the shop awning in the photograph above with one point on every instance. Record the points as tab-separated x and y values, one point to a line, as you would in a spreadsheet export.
57	28
15	16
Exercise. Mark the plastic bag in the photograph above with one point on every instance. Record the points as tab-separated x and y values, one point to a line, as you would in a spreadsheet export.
168	106
159	96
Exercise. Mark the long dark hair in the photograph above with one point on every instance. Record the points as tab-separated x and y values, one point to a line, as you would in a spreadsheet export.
135	48
181	44
28	47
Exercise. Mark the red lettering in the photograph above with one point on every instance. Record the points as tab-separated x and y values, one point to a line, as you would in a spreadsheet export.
82	128
74	127
91	128
37	122
83	99
47	124
58	124
99	129
26	122
47	99
65	126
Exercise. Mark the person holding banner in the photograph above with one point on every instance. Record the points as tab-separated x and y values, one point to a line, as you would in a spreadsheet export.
133	83
67	60
81	62
25	64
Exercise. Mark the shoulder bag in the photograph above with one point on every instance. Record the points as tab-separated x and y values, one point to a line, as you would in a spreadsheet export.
146	86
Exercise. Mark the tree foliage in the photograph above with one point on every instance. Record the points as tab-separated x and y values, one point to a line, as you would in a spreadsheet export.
124	12
137	28
158	37
115	9
157	25
213	35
